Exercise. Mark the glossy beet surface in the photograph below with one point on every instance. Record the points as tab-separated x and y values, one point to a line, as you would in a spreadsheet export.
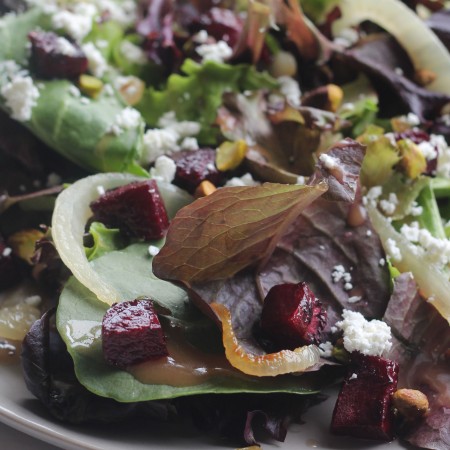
132	333
56	57
292	316
363	408
193	167
137	209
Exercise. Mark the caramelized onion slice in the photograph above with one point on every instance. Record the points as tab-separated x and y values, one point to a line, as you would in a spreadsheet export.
433	283
72	212
269	365
422	45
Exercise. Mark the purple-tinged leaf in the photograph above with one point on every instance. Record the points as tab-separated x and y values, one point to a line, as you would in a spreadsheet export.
340	168
229	230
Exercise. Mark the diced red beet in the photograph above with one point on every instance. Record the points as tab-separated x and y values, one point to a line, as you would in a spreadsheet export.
292	316
363	408
50	60
10	272
132	333
137	209
195	166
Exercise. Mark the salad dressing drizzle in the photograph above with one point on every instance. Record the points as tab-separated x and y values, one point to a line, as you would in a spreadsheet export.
186	365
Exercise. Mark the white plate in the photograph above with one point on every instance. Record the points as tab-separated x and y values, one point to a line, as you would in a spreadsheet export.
20	410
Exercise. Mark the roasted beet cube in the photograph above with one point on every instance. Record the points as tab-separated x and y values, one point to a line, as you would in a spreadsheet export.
195	166
137	209
53	56
363	408
292	316
132	333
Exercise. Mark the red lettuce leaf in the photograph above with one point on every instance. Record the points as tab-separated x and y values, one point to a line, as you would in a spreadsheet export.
390	70
422	338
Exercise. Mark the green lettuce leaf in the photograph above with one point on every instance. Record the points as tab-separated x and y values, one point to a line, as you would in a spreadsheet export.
105	240
79	320
79	131
196	94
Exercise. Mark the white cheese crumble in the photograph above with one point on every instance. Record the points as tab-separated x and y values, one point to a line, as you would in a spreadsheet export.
339	273
367	337
133	53
411	119
33	300
201	37
166	139
65	47
346	37
97	63
354	299
123	12
389	205
290	89
77	22
245	180
127	119
326	349
74	91
217	52
153	250
353	376
6	252
164	169
443	163
21	96
328	161
392	250
427	149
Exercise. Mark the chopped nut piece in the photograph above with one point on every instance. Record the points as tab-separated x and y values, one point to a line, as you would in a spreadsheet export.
424	77
205	188
410	403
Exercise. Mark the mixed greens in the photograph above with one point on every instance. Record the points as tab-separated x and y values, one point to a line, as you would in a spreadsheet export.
291	141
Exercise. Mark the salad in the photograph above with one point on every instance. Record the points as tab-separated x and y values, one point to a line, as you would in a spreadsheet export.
217	210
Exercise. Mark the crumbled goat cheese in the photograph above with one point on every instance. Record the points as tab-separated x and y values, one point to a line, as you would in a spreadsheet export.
245	180
158	142
328	161
368	337
290	89
6	251
123	12
339	273
354	299
411	119
372	195
427	149
369	233
165	140
65	47
392	250
127	119
133	53
389	205
218	52
399	71
443	164
354	376
21	96
382	262
346	37
153	250
301	180
164	169
53	179
189	143
415	209
201	37
97	63
77	22
326	349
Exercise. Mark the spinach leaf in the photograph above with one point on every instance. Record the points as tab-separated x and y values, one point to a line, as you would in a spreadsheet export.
79	319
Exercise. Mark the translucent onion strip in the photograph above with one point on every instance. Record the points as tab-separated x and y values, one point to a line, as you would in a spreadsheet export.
433	283
71	214
422	45
283	362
